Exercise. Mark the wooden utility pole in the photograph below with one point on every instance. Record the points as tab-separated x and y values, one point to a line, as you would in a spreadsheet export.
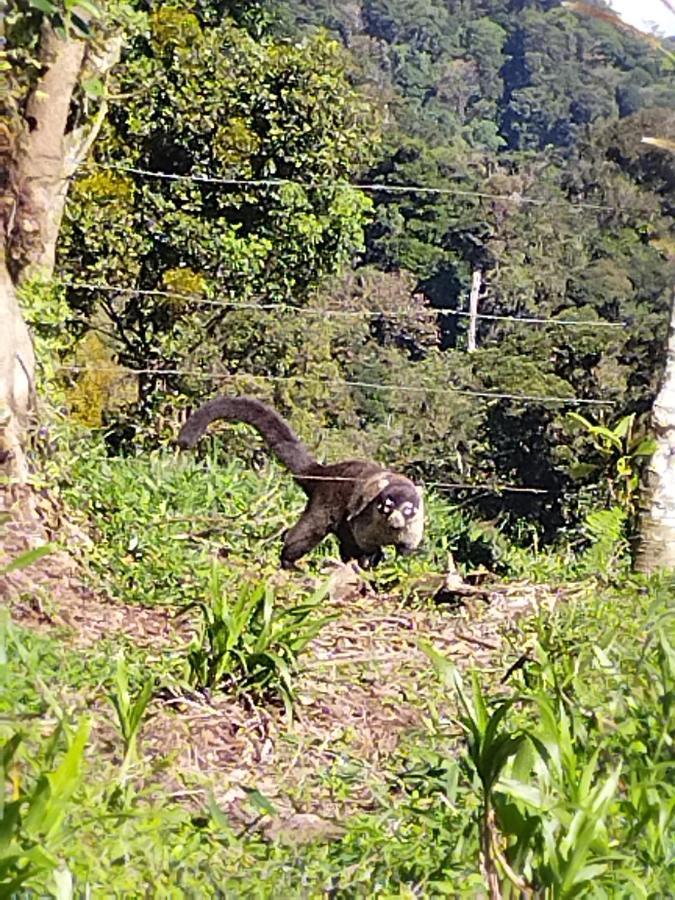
476	285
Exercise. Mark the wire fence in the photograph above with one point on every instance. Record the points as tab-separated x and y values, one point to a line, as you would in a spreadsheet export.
488	487
229	304
372	385
234	306
513	197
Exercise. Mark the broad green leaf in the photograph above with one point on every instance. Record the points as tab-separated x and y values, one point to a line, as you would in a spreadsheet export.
530	795
48	804
44	6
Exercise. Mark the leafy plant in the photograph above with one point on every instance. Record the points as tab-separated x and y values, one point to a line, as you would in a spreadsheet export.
606	530
574	773
31	819
129	712
552	804
247	642
156	522
489	746
620	448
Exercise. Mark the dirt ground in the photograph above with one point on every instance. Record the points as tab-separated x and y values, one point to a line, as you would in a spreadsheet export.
363	688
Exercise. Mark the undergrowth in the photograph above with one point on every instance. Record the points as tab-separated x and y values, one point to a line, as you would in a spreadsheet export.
557	782
159	521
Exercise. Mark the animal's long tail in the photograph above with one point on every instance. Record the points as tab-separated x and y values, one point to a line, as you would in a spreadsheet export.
276	432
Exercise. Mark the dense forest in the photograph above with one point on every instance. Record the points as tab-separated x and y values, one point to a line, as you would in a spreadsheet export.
430	232
527	121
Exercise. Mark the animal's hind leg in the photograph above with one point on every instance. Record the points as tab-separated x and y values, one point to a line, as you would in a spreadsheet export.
308	531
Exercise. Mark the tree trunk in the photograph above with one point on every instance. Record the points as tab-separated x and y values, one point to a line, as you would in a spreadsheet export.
656	538
39	164
17	368
30	227
41	178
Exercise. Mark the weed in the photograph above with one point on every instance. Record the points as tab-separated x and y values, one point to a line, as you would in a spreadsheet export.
574	774
31	820
249	643
129	712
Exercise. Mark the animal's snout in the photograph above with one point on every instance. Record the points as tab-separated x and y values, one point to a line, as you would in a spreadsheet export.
396	519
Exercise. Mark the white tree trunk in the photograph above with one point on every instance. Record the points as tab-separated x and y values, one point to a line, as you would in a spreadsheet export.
656	539
17	367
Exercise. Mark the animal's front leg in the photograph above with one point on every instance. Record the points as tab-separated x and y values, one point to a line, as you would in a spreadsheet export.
307	533
370	560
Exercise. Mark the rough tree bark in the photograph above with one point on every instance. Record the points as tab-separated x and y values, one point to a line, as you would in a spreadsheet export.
40	164
37	158
656	537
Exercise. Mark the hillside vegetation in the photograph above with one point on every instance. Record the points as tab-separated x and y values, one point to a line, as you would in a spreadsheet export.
292	200
390	778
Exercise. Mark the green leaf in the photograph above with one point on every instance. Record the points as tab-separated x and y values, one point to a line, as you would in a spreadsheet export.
646	447
530	795
48	803
262	803
44	6
85	5
93	87
218	815
28	558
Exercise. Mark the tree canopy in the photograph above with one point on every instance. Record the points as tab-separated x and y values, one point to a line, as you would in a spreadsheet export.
223	184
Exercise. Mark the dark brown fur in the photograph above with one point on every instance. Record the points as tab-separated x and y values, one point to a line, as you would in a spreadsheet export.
346	499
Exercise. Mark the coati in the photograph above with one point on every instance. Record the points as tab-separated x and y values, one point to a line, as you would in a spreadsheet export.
365	506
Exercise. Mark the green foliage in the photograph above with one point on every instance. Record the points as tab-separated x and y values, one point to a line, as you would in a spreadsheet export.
70	17
470	92
59	834
31	820
156	521
46	312
25	559
606	531
33	808
215	102
620	448
247	642
560	783
568	761
129	711
560	777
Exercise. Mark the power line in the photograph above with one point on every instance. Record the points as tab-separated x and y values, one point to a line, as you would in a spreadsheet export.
514	197
234	306
494	487
535	320
403	389
488	487
454	485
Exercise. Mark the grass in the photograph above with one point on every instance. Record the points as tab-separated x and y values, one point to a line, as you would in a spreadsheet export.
601	710
158	522
558	781
250	644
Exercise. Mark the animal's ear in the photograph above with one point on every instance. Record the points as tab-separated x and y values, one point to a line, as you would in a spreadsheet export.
365	493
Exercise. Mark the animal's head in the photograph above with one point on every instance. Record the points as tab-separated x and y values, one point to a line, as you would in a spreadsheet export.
394	497
399	503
